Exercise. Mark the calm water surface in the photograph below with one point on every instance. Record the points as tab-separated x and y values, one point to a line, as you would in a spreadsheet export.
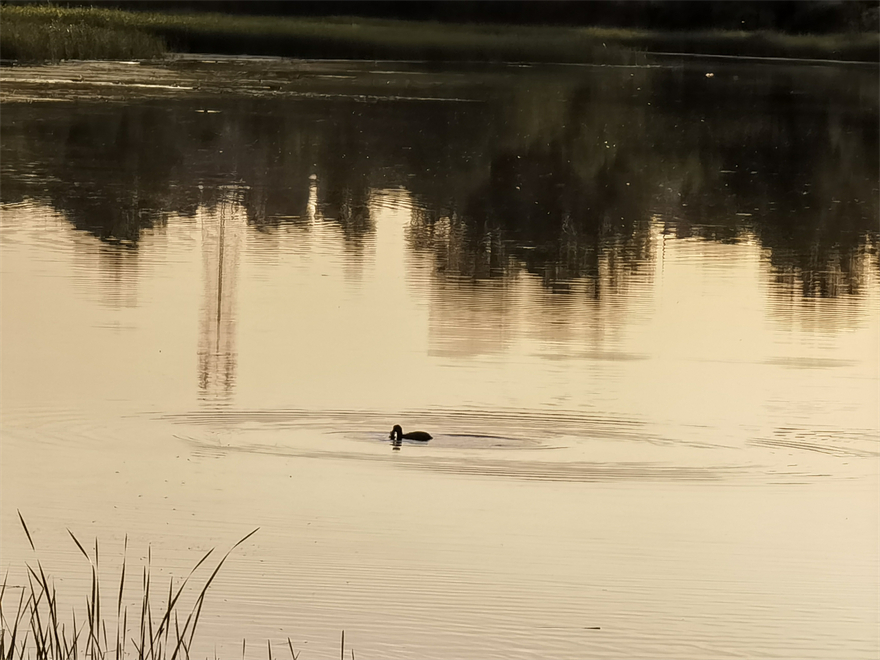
636	307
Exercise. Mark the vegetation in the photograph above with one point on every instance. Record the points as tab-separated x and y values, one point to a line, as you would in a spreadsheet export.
548	171
49	33
789	16
38	629
28	31
39	33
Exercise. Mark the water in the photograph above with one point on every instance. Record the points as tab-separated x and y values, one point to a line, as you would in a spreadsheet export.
636	307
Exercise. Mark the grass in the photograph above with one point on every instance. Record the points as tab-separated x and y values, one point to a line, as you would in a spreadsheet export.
38	629
48	33
40	33
27	31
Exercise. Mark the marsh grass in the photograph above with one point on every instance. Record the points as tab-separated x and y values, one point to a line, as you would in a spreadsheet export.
158	629
30	33
49	33
34	33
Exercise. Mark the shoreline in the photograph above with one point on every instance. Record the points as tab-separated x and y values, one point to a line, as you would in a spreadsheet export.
45	34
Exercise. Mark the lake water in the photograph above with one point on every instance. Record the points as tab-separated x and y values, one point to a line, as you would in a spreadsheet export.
637	307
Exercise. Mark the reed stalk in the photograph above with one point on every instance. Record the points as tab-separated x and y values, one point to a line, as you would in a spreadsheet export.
36	628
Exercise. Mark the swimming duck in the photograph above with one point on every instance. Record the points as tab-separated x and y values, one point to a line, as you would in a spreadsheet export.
397	433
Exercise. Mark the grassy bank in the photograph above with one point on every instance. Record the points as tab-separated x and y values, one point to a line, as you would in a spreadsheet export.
31	34
28	32
38	33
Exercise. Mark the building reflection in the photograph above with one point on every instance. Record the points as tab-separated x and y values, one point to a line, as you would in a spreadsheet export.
222	234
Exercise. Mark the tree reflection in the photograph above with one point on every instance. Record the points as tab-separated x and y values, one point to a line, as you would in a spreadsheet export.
557	173
222	236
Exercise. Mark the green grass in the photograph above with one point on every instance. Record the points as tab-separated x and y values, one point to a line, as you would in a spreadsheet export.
40	33
46	33
35	627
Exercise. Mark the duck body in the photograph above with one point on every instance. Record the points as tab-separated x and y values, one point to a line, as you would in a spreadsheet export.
398	434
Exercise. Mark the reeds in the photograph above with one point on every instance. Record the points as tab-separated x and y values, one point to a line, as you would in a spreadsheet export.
38	629
50	33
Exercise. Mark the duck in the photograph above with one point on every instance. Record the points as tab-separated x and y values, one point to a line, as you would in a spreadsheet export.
398	434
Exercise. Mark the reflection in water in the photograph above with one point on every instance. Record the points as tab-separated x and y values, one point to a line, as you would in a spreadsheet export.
397	436
572	179
577	277
481	288
222	236
554	172
116	266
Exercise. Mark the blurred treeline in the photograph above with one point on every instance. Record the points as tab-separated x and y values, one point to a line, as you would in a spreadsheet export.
789	16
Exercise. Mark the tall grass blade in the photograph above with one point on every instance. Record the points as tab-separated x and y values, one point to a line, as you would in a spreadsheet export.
94	610
120	640
27	533
3	591
166	620
53	608
96	591
79	545
3	623
172	602
144	610
76	633
124	630
19	616
150	636
181	635
74	643
201	599
43	583
122	576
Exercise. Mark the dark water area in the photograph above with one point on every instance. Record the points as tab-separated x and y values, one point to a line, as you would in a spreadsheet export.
636	307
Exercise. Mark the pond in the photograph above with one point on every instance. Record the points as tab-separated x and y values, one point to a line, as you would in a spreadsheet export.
638	308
